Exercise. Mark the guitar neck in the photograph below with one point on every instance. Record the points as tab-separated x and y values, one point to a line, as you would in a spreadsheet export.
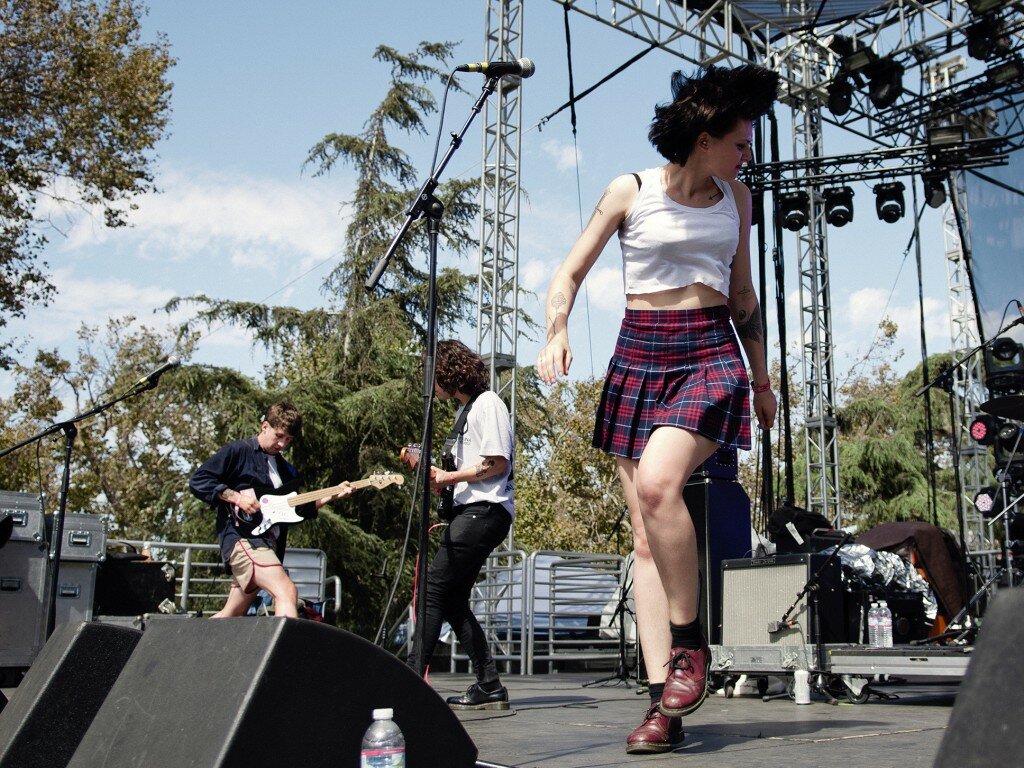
305	498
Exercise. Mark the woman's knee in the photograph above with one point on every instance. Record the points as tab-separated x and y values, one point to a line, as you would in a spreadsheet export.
656	489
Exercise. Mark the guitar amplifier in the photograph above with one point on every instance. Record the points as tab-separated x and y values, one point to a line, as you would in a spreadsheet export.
723	464
757	592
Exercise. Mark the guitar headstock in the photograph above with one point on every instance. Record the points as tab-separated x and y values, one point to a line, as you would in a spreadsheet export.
410	454
383	481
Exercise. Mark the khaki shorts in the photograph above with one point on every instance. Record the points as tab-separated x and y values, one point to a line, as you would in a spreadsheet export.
244	561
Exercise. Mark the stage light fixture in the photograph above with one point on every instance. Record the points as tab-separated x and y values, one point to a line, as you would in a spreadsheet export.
1005	349
854	56
987	39
984	429
838	206
979	7
889	202
1004	367
885	82
794	209
988	501
941	137
1011	436
1006	72
840	96
934	188
982	124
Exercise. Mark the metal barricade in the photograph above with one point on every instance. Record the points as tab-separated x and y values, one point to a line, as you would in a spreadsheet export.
547	607
569	593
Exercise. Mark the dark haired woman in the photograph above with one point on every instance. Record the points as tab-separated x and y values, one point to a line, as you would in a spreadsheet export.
482	485
676	387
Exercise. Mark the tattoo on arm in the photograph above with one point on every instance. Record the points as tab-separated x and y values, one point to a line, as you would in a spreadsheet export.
597	208
557	302
483	467
748	325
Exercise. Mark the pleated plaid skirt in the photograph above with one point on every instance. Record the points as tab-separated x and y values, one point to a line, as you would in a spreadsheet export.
679	368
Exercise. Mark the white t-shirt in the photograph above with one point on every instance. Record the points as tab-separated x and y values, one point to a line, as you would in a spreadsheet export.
488	432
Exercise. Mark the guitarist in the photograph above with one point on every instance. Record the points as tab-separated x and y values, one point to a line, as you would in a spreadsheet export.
481	482
231	481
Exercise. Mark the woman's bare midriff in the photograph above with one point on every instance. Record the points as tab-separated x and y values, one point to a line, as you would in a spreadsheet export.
693	296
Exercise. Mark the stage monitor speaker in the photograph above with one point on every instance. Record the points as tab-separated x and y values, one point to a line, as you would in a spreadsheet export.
720	510
52	708
757	592
221	693
987	724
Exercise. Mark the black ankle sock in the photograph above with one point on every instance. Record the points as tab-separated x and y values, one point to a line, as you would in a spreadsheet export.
687	635
656	689
490	686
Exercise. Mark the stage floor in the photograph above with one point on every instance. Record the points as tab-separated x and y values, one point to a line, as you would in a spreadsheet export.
555	721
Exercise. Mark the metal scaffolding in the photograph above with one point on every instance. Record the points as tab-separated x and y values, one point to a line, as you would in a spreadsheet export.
821	459
498	276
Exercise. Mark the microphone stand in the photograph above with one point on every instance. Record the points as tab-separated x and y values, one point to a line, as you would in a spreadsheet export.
427	205
70	430
945	381
812	586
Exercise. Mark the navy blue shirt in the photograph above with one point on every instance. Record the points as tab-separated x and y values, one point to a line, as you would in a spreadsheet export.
237	466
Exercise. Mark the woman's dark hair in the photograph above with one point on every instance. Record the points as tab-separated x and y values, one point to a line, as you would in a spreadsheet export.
714	100
457	367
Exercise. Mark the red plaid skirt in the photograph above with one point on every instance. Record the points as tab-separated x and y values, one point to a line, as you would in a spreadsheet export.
679	368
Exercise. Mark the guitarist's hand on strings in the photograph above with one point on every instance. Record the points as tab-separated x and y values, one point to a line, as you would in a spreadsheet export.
345	490
244	501
440	479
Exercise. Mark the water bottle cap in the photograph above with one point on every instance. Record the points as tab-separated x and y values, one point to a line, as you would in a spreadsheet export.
383	714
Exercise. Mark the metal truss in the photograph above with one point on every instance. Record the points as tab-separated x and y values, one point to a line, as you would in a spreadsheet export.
498	277
968	390
821	459
886	163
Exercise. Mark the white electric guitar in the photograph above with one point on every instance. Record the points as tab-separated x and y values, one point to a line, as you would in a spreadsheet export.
281	509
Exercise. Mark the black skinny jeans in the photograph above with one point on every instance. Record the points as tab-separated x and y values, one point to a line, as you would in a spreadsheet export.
466	543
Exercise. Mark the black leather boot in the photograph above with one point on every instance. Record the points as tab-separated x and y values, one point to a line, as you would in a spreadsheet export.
476	697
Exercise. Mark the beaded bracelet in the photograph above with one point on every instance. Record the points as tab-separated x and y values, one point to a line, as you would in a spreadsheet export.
759	388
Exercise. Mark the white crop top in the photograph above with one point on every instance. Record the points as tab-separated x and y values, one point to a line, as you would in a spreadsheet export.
668	245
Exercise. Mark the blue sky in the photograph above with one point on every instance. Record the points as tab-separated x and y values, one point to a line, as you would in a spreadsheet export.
258	83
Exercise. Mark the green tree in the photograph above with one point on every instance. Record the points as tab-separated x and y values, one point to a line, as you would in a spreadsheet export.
352	367
82	103
568	496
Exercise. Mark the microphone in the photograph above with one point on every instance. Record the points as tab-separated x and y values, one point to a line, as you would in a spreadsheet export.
774	627
522	67
151	378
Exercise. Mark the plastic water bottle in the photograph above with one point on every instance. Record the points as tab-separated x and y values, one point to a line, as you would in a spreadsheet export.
874	637
383	742
884	625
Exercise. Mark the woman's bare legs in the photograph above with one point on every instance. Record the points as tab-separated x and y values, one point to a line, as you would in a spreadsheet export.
666	464
648	594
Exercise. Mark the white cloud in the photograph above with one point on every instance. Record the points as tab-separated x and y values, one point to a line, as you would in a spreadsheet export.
535	275
260	223
566	156
604	286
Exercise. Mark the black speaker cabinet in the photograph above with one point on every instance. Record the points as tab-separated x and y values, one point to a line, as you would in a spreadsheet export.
720	510
221	693
987	725
758	592
55	703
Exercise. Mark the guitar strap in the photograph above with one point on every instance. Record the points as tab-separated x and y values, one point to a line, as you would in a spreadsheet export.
453	437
